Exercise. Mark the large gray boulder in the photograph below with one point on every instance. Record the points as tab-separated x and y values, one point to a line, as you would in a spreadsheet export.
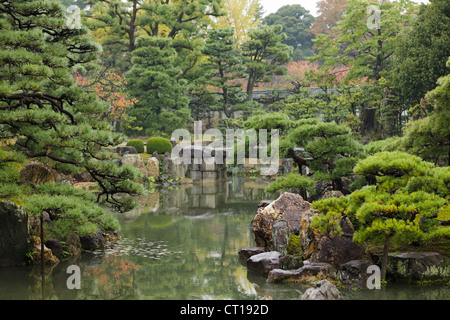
135	160
174	169
247	252
291	214
93	241
13	234
36	173
338	250
153	167
289	207
322	290
281	236
354	273
126	150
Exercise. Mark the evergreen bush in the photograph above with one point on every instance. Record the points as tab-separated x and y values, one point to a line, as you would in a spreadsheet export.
398	207
292	181
138	144
45	117
158	144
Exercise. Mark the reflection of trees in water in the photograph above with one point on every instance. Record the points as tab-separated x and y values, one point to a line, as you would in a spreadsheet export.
237	196
208	222
202	259
114	278
207	265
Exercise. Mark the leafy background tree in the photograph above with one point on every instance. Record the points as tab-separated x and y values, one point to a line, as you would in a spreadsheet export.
242	16
368	53
330	12
296	22
421	52
429	138
111	88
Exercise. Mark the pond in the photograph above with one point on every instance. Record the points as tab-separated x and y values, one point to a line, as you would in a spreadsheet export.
181	244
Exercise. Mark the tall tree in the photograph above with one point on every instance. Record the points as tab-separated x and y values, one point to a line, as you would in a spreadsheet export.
422	51
118	24
332	149
265	52
296	22
224	64
154	80
365	42
242	15
330	12
429	137
365	46
51	119
110	88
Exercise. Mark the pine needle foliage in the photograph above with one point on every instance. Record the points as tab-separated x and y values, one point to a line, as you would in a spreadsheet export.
49	119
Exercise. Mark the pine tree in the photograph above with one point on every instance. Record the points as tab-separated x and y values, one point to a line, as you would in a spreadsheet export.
224	64
154	80
43	112
265	53
399	206
119	23
331	149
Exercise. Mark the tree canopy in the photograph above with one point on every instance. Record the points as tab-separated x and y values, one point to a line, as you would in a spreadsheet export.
46	116
296	22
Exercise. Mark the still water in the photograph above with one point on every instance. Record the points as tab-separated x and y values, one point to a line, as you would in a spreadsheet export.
179	244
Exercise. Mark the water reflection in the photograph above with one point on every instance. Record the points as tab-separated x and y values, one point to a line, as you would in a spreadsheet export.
180	244
203	227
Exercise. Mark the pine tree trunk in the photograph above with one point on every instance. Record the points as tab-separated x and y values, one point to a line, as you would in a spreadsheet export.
368	121
42	243
250	87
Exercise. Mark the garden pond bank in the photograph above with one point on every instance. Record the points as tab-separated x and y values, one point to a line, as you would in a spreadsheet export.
183	243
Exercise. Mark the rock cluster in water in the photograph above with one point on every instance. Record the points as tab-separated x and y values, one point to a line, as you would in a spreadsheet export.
288	249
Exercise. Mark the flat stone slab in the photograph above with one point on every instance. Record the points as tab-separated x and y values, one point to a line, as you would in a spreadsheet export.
309	273
247	252
263	263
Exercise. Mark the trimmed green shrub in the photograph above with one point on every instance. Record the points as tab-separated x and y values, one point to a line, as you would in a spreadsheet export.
138	144
160	145
292	181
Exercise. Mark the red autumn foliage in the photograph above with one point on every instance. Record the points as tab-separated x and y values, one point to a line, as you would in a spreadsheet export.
109	88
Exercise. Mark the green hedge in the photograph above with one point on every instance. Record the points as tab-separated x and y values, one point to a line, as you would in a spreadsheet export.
137	144
160	145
